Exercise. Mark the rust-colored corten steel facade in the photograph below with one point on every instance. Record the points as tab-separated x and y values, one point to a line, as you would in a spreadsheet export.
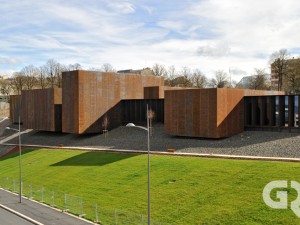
14	108
157	92
89	96
208	113
41	109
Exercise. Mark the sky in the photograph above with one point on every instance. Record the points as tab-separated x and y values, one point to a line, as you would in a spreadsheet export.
230	35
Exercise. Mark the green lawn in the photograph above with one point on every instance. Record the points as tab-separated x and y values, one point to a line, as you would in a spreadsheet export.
184	190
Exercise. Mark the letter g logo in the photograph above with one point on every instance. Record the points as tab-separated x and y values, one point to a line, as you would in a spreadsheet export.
282	196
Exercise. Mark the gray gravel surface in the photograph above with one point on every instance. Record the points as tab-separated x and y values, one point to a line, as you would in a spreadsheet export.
251	143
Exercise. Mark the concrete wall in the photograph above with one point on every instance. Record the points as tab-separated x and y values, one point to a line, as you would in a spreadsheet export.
89	96
41	109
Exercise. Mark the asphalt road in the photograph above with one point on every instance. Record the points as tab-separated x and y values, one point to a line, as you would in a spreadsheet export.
8	218
38	212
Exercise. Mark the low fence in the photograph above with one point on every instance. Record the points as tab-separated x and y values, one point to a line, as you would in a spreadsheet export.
75	205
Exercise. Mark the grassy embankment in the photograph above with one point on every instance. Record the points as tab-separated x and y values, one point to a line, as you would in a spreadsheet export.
184	190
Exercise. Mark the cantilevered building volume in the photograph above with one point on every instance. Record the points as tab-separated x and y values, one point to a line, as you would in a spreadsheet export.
89	96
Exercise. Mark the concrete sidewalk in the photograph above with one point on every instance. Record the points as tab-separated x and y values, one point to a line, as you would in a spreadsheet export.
37	211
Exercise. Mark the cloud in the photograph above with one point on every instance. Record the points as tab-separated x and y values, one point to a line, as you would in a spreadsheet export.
4	60
237	71
171	25
216	50
122	7
206	34
252	26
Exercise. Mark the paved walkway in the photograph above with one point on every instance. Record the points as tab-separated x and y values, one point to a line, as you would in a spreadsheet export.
40	213
14	136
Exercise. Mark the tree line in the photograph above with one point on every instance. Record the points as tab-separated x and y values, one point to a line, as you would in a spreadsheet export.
31	77
49	75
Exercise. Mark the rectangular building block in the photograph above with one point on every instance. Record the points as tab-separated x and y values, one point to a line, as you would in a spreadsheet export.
90	96
208	113
41	109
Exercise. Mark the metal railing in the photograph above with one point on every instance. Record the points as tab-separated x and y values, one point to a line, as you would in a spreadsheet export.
76	205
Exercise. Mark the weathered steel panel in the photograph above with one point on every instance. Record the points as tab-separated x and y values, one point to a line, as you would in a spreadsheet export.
15	108
191	112
230	109
41	109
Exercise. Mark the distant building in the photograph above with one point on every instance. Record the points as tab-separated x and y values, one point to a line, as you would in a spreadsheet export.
245	82
290	64
143	72
248	82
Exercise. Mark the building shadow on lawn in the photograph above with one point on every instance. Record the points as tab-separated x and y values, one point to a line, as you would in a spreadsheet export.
15	153
94	159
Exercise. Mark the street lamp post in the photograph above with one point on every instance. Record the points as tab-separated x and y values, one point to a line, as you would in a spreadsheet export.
148	153
20	158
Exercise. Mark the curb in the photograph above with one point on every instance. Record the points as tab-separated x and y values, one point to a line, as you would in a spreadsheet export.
181	154
21	215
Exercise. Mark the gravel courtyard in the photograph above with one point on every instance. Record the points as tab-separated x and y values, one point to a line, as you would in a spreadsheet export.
250	143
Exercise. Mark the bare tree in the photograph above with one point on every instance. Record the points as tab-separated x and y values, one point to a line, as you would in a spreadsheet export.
278	61
75	66
58	73
259	80
220	80
50	66
107	67
42	77
18	82
159	70
291	83
171	74
198	79
186	76
5	86
54	72
30	74
181	81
